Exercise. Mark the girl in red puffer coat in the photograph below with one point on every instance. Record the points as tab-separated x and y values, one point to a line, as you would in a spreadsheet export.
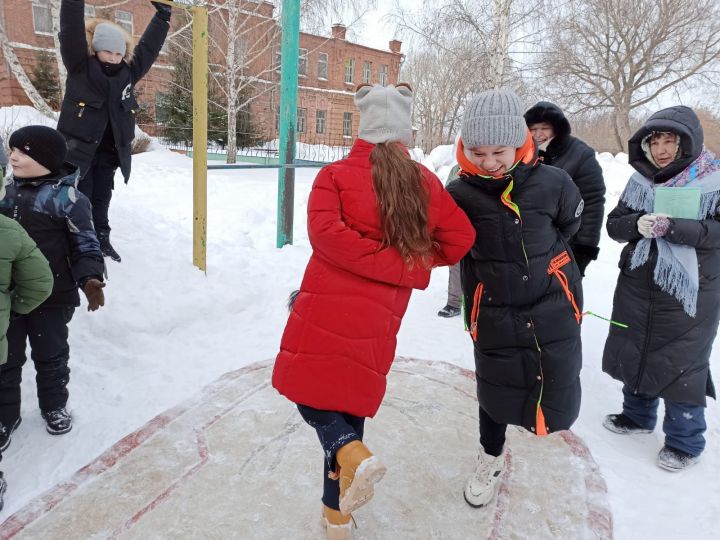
378	223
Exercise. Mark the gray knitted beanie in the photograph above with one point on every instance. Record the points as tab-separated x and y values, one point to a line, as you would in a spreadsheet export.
494	118
108	37
385	113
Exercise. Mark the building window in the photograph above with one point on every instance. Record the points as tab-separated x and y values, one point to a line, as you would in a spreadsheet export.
382	75
302	62
278	60
320	121
277	118
124	19
301	120
347	124
349	69
89	11
322	66
42	18
367	72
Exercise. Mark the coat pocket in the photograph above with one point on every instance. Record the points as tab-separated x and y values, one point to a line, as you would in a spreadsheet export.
82	119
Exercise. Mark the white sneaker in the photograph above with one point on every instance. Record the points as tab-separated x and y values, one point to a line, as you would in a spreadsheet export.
481	487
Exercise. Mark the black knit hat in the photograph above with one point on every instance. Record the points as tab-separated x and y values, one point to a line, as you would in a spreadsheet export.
44	144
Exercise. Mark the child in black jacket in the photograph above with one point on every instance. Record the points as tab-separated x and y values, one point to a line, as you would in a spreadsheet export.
41	196
520	281
98	112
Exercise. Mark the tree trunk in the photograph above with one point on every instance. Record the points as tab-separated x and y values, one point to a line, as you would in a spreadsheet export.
622	127
502	37
231	72
62	72
232	133
26	84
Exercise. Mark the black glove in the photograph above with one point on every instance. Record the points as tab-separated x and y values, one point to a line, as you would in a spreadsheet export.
583	256
163	10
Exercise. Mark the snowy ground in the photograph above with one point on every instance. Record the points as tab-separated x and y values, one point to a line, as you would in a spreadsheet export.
168	330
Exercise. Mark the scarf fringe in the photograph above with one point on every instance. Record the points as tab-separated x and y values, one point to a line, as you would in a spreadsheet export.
638	196
672	278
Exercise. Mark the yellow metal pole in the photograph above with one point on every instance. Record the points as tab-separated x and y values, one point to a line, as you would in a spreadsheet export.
200	121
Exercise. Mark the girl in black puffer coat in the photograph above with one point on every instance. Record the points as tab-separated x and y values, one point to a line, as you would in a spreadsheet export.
668	291
521	286
98	111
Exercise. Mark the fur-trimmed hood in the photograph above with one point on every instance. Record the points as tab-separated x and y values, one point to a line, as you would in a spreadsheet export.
91	24
544	111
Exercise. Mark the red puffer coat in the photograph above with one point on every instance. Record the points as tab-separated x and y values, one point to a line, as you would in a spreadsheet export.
340	338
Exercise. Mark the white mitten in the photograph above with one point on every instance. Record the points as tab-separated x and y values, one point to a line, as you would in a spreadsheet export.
645	225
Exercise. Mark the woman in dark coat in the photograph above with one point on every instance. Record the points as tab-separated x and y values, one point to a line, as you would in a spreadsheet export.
557	147
668	291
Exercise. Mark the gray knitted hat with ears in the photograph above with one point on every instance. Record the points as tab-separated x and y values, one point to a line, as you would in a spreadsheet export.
108	37
494	118
385	113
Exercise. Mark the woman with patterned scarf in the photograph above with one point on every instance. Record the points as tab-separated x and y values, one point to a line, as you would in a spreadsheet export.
668	291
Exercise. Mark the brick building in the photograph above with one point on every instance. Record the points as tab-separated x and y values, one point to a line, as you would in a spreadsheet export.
329	67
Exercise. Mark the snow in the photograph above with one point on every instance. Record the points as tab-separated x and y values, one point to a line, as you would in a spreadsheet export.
168	330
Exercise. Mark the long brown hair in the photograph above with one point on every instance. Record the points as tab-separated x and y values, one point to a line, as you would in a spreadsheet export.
403	200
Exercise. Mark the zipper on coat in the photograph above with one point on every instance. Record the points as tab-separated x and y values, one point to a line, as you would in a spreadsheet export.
82	109
643	357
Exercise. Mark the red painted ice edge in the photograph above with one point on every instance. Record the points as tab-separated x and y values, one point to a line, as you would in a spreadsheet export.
599	518
502	501
24	517
203	454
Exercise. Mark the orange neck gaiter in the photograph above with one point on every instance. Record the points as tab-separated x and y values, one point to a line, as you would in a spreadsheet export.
524	154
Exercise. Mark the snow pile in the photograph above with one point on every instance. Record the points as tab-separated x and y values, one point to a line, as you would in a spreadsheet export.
441	161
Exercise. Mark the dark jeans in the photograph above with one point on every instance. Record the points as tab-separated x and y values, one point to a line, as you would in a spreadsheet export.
47	330
97	185
492	434
334	430
684	424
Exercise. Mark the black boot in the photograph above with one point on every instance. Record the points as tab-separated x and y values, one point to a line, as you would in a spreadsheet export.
58	421
6	432
449	311
106	246
619	423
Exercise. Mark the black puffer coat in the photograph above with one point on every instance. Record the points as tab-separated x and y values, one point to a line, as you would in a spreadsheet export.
92	98
577	159
528	349
664	352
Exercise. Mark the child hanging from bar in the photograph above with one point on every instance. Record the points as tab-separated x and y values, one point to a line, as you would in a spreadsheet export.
98	111
520	282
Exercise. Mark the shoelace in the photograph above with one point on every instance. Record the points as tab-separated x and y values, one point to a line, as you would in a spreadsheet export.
59	414
482	472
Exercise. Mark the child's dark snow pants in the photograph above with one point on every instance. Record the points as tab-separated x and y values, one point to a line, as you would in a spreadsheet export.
97	185
47	330
334	430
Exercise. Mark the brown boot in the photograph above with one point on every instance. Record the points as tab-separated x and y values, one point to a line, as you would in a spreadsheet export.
359	472
337	526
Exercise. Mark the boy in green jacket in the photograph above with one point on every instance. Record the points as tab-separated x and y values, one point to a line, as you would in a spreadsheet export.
25	282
